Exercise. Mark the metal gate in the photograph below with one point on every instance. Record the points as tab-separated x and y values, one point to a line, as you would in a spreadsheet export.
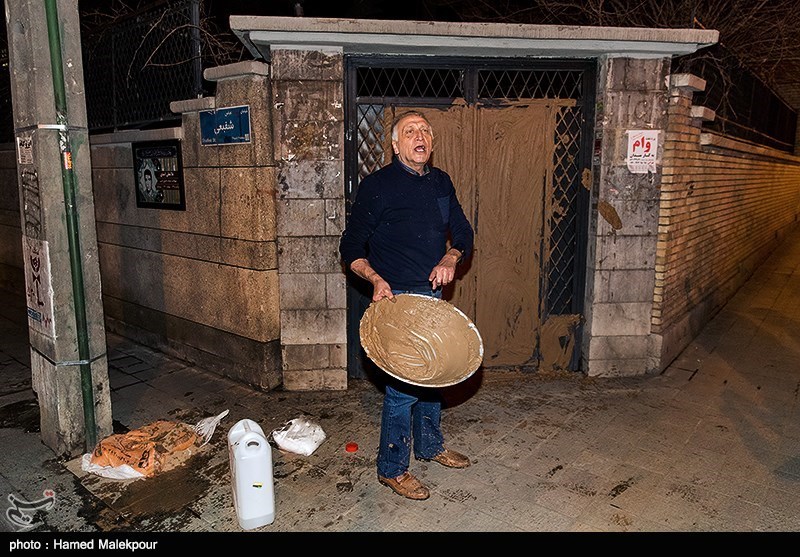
375	86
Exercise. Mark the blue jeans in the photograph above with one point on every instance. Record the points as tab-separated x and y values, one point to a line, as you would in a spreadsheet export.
411	417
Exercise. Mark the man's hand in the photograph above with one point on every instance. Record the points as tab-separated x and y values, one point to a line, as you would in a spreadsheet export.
445	270
380	288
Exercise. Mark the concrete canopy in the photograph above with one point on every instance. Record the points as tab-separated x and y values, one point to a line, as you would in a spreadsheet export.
368	36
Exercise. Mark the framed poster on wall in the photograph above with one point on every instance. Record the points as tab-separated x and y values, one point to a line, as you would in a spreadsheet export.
158	174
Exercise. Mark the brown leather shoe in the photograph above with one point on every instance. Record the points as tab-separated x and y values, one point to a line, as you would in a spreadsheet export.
407	485
451	459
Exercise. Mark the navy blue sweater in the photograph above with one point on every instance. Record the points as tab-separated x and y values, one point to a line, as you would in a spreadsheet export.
400	223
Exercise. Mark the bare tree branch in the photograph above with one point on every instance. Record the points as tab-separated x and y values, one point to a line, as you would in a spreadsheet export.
761	34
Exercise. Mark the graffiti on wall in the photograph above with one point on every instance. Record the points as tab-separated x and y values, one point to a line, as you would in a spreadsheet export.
38	288
31	204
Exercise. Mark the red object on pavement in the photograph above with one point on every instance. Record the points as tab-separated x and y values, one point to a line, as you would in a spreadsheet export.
351	447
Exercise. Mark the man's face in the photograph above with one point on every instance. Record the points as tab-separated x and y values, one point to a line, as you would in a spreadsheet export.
414	142
148	181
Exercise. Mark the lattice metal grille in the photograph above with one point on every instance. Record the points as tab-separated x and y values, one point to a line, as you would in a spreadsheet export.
136	68
434	83
563	219
370	138
530	84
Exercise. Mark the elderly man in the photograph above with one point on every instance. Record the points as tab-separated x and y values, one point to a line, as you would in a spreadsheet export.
397	239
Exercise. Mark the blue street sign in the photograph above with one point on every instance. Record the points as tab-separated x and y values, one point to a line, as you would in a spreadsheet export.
224	126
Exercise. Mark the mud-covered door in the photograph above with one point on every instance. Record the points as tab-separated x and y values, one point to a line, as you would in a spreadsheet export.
501	161
515	144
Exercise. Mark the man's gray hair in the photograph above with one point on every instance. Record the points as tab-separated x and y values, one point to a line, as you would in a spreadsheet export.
405	115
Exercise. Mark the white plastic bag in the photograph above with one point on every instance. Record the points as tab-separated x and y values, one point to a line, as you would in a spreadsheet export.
122	472
299	435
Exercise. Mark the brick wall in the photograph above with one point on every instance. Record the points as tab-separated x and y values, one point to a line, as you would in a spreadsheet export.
724	206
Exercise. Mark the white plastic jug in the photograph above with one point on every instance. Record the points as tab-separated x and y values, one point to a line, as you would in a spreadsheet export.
251	475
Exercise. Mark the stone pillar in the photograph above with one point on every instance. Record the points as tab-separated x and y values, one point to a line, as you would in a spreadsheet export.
62	275
308	103
632	95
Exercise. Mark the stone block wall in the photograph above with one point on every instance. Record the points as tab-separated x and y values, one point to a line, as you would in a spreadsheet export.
725	204
247	281
201	284
308	104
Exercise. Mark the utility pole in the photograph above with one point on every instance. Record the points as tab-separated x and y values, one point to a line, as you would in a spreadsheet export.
62	273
